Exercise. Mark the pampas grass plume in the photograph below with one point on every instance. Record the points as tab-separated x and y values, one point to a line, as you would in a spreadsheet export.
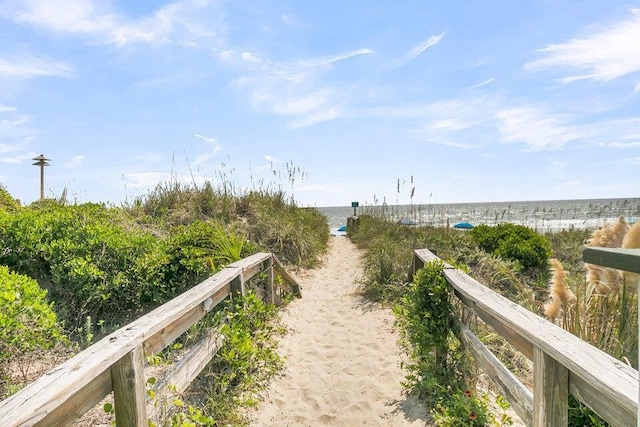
552	308
558	285
559	292
607	280
632	241
610	235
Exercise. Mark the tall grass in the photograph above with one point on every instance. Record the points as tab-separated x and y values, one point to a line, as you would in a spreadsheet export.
600	306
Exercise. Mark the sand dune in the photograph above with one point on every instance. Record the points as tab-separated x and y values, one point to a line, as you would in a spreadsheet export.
342	359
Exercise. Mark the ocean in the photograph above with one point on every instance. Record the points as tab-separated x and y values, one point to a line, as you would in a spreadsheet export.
543	216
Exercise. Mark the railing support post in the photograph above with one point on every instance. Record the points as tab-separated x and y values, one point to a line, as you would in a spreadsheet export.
237	289
127	376
550	391
270	291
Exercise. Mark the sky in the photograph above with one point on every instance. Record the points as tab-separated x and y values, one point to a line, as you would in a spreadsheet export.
331	102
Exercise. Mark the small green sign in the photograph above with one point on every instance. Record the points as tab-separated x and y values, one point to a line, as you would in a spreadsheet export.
354	204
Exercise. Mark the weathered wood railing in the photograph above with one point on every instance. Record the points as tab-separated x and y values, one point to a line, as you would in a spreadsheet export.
116	363
562	362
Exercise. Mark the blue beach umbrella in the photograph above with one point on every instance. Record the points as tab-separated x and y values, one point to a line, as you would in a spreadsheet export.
463	225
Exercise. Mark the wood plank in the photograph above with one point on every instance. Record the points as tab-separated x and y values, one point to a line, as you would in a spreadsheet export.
550	391
166	336
617	381
251	261
127	376
71	380
618	258
516	340
518	395
73	408
182	374
295	287
600	403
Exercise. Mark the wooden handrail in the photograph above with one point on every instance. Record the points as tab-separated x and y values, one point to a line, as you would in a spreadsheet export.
562	362
67	392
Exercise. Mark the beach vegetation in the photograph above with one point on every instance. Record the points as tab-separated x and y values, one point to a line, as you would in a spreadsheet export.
27	322
98	267
606	320
598	304
439	368
515	243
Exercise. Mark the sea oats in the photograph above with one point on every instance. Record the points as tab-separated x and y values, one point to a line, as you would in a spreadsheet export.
632	241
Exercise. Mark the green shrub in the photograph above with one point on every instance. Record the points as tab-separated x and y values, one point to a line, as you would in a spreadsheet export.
514	242
27	320
7	203
439	367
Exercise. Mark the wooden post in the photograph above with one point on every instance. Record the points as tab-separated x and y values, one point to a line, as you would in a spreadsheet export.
127	376
416	265
237	289
271	297
550	391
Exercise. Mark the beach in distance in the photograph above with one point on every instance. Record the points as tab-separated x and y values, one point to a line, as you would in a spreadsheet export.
543	216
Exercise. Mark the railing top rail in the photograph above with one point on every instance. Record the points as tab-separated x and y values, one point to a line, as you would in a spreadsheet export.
618	258
57	386
615	379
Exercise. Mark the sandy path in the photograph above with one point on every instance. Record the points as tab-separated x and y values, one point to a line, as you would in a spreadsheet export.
342	360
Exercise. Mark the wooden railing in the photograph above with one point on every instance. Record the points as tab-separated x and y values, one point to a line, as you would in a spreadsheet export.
116	363
562	362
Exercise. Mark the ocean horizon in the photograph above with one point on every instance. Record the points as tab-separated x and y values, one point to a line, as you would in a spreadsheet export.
542	215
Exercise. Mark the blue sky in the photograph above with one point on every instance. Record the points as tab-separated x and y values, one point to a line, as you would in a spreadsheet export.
461	101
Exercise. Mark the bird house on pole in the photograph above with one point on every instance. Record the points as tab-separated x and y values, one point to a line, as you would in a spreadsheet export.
42	162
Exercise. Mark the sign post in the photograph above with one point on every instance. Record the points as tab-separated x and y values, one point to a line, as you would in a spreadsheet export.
354	205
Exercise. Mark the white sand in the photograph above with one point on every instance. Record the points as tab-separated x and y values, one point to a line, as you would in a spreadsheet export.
342	358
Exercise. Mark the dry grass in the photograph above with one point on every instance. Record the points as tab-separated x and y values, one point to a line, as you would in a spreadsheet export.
599	307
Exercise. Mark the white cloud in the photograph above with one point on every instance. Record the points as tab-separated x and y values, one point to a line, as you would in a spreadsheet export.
5	109
637	88
635	160
535	128
440	138
145	179
302	105
615	133
620	144
324	115
73	162
293	88
13	130
449	124
484	83
18	158
206	139
28	67
605	55
200	160
268	166
328	60
419	49
178	20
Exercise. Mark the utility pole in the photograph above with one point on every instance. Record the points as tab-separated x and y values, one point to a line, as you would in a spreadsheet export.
42	162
